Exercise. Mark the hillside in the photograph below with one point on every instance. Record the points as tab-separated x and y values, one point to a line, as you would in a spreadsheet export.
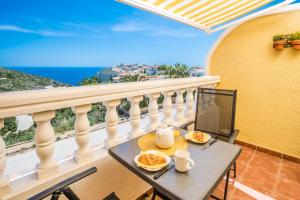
11	80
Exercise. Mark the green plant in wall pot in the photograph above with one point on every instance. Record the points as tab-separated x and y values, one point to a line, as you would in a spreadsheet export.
295	40
278	41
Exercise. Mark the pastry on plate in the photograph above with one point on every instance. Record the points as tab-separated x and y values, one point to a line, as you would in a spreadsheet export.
151	159
199	136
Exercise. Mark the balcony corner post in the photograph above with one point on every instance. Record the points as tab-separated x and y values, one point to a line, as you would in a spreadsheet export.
167	107
4	181
135	117
44	140
82	133
111	119
153	112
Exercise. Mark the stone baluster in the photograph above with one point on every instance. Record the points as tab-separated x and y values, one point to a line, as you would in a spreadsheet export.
189	112
153	111
82	133
44	141
179	117
168	117
4	182
111	119
135	117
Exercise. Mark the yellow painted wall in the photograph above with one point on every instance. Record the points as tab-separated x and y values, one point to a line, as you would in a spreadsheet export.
268	81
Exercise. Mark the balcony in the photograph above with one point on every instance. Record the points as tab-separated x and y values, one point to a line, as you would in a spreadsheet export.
267	115
54	165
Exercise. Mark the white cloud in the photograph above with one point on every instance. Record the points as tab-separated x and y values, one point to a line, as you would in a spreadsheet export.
83	27
15	29
55	33
130	26
152	29
41	32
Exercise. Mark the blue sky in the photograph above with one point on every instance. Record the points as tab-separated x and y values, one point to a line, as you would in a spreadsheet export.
94	33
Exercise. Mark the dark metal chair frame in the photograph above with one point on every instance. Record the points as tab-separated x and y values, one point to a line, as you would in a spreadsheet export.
62	187
233	132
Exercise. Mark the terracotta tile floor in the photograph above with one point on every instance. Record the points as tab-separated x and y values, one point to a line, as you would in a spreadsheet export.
263	176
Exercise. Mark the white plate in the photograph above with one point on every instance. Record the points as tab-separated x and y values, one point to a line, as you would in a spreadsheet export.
168	160
189	136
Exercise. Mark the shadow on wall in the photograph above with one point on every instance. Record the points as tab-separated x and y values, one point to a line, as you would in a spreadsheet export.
267	80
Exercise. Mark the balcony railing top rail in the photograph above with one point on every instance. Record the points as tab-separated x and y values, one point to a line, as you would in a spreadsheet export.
25	102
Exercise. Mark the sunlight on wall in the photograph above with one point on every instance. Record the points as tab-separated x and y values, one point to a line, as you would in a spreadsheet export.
268	81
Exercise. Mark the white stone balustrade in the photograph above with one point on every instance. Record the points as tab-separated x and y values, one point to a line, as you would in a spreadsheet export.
111	119
167	105
189	112
4	183
82	133
44	141
153	111
179	117
135	117
43	103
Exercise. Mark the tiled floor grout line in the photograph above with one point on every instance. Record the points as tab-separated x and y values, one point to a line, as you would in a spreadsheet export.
244	172
247	165
278	177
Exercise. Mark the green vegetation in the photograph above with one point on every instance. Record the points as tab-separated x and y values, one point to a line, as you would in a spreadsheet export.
10	126
10	134
20	136
16	81
63	121
278	37
133	78
295	36
90	81
176	71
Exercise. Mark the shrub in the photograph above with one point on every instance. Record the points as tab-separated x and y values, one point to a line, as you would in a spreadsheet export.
278	37
295	36
10	126
21	136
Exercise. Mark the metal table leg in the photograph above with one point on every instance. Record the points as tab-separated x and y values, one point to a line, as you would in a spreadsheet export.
160	195
226	185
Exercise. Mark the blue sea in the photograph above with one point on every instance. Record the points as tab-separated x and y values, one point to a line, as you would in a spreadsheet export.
68	75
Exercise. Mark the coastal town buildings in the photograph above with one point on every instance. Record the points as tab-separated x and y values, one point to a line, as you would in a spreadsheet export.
116	73
149	72
197	71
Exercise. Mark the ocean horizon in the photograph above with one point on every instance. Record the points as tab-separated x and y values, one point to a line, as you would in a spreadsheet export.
68	74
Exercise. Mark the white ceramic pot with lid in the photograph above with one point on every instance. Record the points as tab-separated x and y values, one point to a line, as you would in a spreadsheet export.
164	137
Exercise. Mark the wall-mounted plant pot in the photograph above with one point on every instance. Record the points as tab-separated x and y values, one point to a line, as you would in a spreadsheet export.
296	44
279	45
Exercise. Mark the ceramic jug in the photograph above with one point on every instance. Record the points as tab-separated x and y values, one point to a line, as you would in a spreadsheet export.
164	137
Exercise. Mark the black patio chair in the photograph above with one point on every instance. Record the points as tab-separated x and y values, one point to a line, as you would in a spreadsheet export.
215	114
62	188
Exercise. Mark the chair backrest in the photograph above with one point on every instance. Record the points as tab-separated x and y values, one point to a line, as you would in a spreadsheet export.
216	111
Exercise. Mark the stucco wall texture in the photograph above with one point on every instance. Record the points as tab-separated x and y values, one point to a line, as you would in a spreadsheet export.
267	80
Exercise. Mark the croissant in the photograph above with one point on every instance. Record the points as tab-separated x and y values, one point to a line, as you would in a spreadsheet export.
198	136
151	159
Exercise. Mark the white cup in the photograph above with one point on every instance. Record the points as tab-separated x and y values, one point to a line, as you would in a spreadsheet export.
183	162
